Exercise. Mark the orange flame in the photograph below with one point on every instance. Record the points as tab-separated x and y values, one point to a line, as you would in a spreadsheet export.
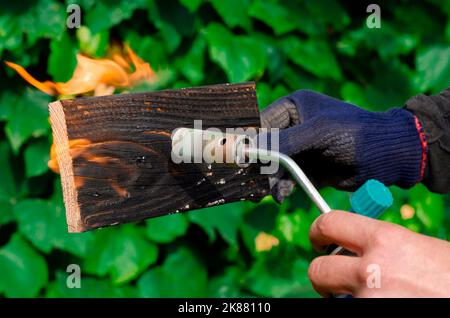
100	76
75	147
96	77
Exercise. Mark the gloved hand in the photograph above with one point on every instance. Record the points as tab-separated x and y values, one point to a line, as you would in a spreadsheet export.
341	145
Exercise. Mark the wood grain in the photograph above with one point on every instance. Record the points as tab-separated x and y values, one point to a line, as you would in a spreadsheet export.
114	154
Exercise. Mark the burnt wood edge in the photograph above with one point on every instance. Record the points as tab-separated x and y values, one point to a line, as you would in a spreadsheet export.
61	141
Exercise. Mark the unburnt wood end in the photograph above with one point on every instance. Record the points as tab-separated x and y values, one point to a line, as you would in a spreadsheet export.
114	154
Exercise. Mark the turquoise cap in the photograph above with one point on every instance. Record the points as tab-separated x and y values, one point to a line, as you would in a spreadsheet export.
371	199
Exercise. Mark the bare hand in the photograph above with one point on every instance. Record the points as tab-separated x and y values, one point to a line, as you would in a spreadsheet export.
391	261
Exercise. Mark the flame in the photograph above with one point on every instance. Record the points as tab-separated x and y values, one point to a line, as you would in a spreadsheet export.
75	148
96	76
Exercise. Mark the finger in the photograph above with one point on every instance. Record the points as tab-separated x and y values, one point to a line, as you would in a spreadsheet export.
280	114
310	103
349	230
300	138
335	274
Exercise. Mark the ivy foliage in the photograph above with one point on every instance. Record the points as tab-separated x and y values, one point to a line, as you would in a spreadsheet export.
235	250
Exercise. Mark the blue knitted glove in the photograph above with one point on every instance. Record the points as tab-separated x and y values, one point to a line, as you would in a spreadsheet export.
341	145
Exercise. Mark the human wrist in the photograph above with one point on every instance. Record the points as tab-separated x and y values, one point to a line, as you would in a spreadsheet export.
391	148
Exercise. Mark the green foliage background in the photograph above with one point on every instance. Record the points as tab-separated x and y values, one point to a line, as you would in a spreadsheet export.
284	46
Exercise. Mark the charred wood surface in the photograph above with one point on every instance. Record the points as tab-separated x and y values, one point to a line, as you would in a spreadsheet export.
114	154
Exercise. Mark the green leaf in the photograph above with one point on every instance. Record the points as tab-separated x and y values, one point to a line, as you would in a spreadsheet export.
241	57
429	207
103	15
192	64
298	79
90	288
167	228
354	94
6	214
44	224
27	116
304	23
286	278
8	186
227	285
418	20
266	95
172	39
447	31
121	252
276	64
10	34
295	228
173	22
192	5
433	68
7	102
389	41
327	13
36	156
62	59
233	12
226	219
170	13
314	55
278	17
392	87
386	89
34	19
150	50
319	17
46	19
262	218
24	272
93	44
181	275
263	93
278	92
84	4
24	22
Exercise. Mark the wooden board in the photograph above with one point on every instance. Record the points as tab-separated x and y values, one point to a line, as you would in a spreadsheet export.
114	154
